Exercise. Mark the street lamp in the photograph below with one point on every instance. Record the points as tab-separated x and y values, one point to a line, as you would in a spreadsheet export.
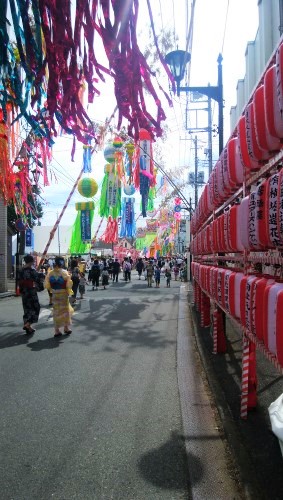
177	61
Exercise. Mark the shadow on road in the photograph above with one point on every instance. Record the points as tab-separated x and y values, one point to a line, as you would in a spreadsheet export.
50	343
13	339
167	466
109	320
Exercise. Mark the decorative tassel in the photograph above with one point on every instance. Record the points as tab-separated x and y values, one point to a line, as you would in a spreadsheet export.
110	234
7	178
104	207
78	245
56	52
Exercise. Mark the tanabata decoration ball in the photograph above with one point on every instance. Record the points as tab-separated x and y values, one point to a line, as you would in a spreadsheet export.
129	189
117	142
87	187
109	153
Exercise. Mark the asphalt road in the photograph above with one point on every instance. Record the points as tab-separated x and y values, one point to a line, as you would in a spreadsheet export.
95	415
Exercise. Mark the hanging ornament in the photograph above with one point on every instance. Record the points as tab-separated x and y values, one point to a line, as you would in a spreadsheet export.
144	172
117	142
108	168
129	189
85	205
87	187
110	197
109	153
81	233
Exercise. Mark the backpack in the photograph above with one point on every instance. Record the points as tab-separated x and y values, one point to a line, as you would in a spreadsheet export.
95	270
75	275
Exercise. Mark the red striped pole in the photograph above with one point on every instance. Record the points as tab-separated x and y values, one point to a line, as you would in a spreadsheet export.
245	377
202	305
52	233
215	326
96	232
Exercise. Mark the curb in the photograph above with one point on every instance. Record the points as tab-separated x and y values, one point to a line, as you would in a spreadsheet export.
4	295
213	473
239	454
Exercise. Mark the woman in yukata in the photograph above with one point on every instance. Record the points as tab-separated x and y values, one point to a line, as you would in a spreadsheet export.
29	283
58	282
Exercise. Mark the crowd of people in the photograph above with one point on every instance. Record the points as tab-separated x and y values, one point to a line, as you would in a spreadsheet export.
65	280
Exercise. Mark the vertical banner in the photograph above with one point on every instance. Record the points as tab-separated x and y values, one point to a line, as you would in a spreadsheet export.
85	225
28	237
112	190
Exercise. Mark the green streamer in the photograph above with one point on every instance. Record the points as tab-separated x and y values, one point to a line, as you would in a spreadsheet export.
103	207
146	241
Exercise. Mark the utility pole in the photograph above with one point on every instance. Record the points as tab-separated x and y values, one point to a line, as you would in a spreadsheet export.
196	170
209	137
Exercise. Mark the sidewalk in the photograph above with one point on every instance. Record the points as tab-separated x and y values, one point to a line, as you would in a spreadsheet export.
212	470
10	289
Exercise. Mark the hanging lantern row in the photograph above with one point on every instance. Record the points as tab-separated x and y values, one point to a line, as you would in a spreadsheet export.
255	301
258	139
256	223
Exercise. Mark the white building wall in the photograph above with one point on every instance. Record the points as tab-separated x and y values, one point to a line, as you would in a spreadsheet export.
258	54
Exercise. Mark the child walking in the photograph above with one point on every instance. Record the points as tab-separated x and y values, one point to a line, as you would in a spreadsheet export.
82	284
168	277
176	272
157	273
105	277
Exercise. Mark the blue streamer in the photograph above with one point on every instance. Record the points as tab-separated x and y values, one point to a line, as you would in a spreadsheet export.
128	223
87	158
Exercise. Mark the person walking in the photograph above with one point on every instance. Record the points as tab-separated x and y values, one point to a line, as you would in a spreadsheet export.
157	274
59	282
168	277
127	269
140	267
110	268
82	285
116	270
176	271
29	282
149	274
95	274
75	277
105	277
